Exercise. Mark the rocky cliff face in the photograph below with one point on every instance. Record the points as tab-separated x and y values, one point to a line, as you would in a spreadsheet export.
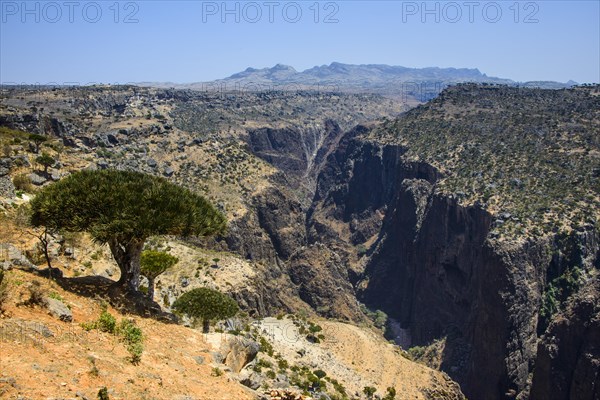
297	151
568	357
430	264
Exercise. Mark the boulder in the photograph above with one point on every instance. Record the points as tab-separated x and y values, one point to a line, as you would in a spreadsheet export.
250	379
37	179
7	188
5	166
238	352
59	310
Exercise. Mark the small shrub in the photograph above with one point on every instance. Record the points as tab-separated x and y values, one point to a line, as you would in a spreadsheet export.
264	363
271	374
133	337
265	346
94	370
55	296
103	394
283	364
416	352
135	351
23	183
369	391
319	373
390	394
36	295
216	371
106	322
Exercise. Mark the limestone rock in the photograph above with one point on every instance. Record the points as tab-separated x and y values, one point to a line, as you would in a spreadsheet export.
238	352
37	179
59	310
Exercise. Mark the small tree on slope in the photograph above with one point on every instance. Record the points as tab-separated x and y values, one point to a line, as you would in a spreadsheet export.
123	209
153	263
206	304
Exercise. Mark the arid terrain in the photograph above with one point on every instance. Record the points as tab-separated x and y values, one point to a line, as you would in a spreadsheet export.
467	224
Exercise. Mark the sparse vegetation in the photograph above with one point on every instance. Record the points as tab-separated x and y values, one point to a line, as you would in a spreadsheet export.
557	292
126	330
527	155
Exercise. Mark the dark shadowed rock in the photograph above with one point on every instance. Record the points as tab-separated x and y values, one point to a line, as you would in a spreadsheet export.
567	366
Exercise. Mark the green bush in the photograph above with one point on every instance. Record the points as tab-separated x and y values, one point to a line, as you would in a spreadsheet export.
319	373
23	183
557	292
103	394
369	391
391	394
127	330
206	304
265	346
106	322
283	364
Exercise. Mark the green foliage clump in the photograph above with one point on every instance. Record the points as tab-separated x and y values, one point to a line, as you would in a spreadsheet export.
319	373
206	304
106	322
123	209
283	364
390	394
416	352
153	263
369	391
22	182
45	160
103	394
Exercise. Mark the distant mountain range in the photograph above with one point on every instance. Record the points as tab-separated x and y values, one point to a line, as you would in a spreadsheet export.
420	84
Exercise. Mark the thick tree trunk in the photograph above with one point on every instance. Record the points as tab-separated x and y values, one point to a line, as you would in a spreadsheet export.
151	288
127	255
205	325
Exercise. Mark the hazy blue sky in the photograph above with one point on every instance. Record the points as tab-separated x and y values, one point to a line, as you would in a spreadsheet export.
190	41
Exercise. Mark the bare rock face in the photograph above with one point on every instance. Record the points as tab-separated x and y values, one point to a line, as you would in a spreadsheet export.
298	152
568	356
322	281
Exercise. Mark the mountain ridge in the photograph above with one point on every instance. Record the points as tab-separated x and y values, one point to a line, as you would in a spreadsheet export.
420	84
